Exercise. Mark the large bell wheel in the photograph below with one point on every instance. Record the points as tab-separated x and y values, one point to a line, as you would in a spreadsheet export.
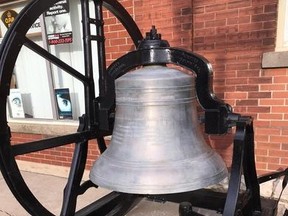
11	45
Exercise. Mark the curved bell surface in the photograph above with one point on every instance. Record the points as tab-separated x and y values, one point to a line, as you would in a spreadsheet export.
157	147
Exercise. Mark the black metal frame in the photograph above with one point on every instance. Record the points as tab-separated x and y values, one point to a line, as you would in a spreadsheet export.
98	119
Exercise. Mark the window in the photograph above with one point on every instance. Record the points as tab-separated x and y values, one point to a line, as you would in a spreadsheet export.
38	83
278	58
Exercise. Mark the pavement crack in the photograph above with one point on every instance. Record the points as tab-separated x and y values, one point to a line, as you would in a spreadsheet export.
6	213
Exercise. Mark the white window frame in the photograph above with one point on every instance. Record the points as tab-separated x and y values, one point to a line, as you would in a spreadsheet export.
282	26
278	57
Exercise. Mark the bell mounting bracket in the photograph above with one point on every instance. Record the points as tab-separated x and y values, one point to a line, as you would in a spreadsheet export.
153	50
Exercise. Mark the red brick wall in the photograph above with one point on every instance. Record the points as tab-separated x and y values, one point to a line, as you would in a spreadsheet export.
118	41
232	35
173	19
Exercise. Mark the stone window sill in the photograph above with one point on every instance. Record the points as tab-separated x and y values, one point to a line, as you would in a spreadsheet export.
275	60
47	127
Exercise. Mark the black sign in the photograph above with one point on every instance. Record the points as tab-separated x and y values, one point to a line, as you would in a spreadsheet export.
60	7
58	23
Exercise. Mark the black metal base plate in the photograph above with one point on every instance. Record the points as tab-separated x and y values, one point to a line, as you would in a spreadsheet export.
211	200
268	206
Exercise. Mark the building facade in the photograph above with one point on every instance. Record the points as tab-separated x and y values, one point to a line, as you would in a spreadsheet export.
243	40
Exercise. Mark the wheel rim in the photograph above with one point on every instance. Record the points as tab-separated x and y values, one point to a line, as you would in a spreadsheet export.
11	45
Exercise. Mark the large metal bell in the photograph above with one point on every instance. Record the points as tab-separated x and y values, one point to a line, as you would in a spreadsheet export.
157	147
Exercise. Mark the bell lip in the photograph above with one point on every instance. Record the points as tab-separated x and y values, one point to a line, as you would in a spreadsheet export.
100	178
153	190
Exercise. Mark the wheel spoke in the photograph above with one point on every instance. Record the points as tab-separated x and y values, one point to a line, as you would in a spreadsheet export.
34	146
56	61
73	185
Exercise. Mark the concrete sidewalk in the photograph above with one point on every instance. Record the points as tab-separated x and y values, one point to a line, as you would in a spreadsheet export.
47	183
48	189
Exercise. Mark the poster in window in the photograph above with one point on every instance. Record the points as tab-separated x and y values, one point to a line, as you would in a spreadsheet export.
63	103
58	23
16	104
